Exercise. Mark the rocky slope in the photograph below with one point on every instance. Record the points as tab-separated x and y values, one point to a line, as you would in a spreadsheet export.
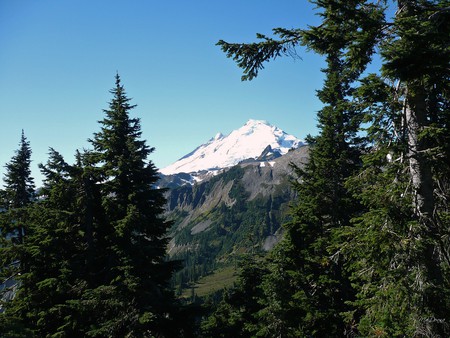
240	209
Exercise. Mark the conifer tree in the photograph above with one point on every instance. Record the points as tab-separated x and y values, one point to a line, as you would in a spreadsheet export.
134	281
96	247
393	232
400	246
236	314
16	199
308	288
55	273
19	185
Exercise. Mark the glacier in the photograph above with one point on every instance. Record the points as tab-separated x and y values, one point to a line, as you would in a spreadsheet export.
247	142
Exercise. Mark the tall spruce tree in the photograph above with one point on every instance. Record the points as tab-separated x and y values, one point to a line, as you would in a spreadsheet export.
400	246
308	288
18	194
135	276
57	268
16	198
96	248
393	232
52	252
236	314
19	185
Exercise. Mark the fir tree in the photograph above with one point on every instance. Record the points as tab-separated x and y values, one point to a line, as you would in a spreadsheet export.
236	314
19	185
17	197
134	281
95	250
308	287
400	246
54	272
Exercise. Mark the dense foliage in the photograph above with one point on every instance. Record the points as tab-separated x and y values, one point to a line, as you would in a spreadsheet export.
93	258
366	250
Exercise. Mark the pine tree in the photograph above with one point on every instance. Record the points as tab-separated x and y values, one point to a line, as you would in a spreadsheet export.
53	268
17	197
19	185
95	250
236	314
134	281
400	246
308	288
393	232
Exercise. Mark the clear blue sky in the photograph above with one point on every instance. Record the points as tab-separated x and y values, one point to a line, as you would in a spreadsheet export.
58	60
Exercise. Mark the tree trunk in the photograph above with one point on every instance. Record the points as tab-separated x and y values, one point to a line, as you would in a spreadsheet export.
420	168
427	235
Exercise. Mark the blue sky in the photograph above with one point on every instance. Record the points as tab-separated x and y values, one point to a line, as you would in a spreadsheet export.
58	60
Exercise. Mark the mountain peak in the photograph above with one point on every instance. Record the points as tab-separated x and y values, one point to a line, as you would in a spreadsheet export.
252	122
247	142
218	136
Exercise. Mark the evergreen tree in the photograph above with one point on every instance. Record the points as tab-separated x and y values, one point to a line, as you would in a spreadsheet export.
236	314
315	286
308	288
133	285
54	275
15	199
15	203
400	247
396	242
19	186
95	251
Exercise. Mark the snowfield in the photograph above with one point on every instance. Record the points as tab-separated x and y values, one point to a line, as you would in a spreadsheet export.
247	142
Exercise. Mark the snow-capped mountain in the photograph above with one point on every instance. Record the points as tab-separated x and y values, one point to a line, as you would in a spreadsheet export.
247	142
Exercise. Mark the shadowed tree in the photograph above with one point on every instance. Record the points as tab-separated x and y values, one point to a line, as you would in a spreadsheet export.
308	287
135	277
96	249
19	185
400	247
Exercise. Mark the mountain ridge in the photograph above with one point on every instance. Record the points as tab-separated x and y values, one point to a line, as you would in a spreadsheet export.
248	142
232	200
241	209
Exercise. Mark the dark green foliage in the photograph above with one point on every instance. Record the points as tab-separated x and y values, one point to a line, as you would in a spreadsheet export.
94	258
15	203
251	56
308	288
235	316
18	192
367	251
19	185
135	275
399	248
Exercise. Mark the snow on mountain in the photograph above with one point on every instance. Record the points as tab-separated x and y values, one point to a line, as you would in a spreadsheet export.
247	142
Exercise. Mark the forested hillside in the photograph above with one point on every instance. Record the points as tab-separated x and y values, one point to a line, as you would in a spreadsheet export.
364	208
237	212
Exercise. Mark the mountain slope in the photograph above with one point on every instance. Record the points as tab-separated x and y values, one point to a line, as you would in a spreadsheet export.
247	142
239	210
